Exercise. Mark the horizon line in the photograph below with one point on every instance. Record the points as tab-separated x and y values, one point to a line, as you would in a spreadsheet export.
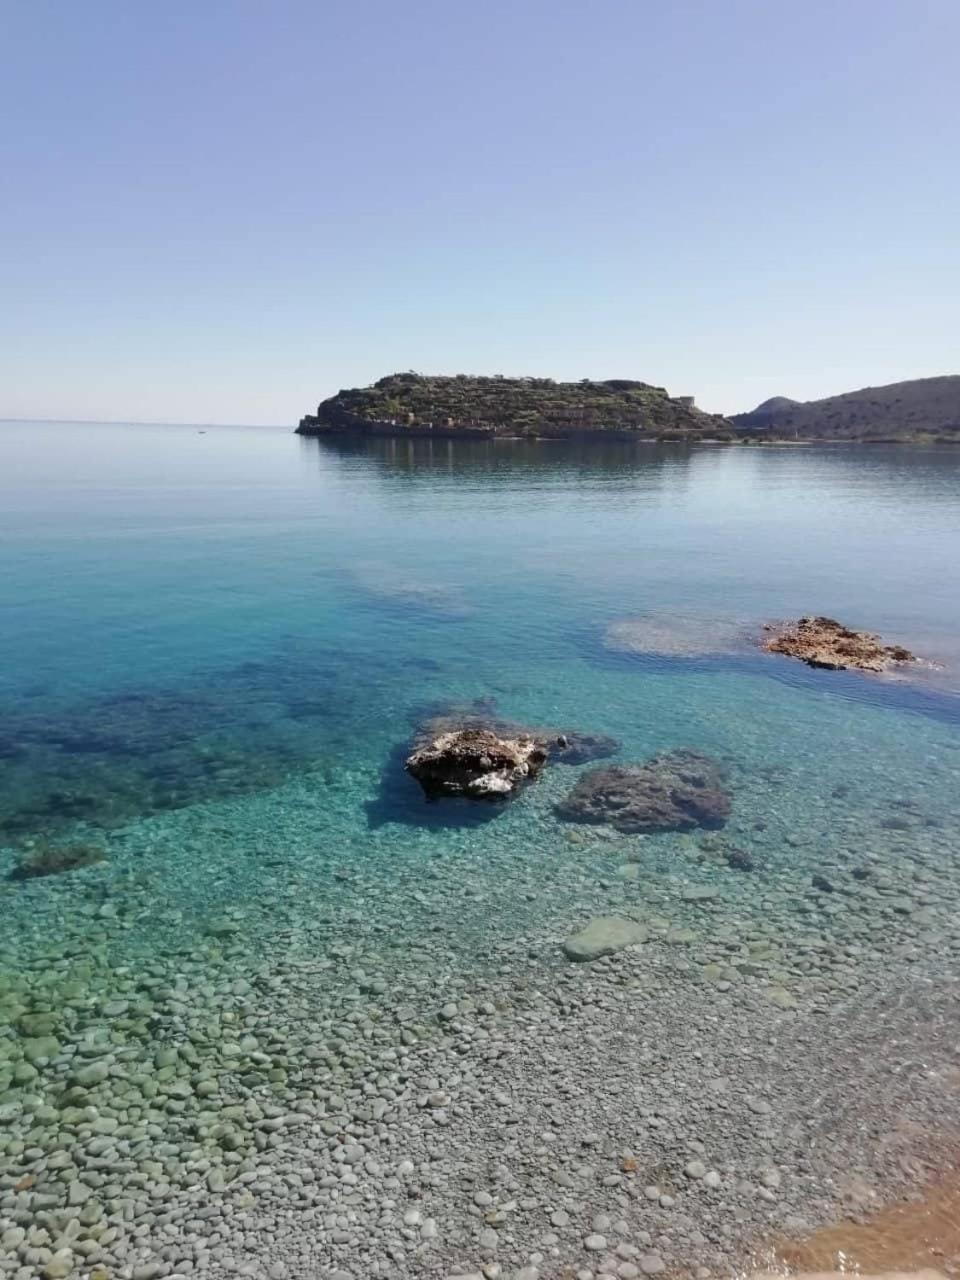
140	422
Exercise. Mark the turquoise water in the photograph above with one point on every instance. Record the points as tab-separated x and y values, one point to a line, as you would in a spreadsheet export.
192	616
216	645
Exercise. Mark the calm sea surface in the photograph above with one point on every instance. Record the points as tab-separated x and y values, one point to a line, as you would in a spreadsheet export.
195	614
215	645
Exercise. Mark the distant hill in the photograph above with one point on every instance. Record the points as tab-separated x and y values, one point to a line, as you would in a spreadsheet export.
928	408
416	404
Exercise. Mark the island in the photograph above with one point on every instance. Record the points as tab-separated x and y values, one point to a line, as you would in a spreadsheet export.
925	410
414	404
458	406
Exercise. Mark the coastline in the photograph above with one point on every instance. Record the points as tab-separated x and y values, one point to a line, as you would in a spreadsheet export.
414	1087
391	432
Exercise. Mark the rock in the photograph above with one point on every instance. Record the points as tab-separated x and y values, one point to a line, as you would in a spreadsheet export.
738	859
651	1264
696	1169
475	763
823	642
56	859
569	746
59	1266
94	1074
676	791
595	1243
781	997
699	893
38	1047
149	1271
603	936
463	754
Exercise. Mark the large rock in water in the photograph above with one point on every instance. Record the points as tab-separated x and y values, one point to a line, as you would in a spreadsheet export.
476	762
823	642
489	759
676	791
603	936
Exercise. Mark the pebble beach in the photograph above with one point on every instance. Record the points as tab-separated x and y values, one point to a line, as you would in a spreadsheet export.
426	1084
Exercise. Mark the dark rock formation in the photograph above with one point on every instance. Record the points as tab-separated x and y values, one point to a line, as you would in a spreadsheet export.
822	642
568	746
476	762
676	791
487	758
739	859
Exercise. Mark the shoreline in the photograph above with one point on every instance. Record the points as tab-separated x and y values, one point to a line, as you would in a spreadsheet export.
407	1088
447	435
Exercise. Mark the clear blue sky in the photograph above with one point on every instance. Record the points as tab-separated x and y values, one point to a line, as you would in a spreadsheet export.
223	210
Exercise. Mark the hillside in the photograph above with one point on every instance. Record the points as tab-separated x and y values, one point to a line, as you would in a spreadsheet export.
416	404
928	408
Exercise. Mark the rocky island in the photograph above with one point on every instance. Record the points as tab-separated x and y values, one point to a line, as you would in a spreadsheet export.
414	404
824	642
924	411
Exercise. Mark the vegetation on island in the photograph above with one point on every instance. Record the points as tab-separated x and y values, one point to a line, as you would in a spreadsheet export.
416	404
413	404
926	409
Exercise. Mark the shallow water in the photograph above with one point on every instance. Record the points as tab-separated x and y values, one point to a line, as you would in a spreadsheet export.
198	616
215	645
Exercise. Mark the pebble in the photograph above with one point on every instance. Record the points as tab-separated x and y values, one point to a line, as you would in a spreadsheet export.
202	1133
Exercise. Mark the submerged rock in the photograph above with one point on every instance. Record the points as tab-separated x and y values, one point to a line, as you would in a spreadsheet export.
603	936
570	747
487	758
676	791
476	762
394	586
671	636
823	642
55	859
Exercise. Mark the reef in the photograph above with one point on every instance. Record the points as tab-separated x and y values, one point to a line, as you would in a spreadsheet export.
675	791
823	642
660	635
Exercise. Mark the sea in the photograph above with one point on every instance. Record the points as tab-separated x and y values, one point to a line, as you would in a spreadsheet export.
217	644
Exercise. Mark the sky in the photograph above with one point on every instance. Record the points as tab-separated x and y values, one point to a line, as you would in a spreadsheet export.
226	211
